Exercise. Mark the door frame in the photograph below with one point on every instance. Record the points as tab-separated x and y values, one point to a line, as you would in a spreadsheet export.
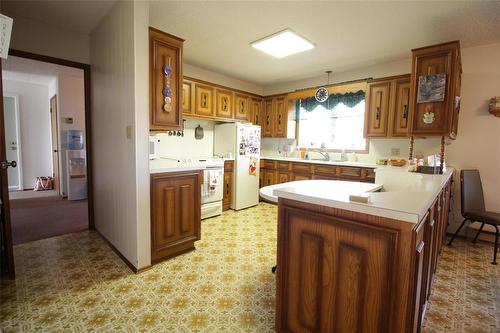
55	165
88	141
19	159
88	111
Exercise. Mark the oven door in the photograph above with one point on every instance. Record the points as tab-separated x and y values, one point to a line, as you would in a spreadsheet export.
208	195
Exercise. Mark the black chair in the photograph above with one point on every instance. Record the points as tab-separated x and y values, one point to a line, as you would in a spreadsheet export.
473	209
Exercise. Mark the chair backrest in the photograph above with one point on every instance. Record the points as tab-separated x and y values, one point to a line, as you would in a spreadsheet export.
472	191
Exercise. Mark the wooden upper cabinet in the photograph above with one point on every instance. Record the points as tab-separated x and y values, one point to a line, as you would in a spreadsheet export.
377	109
241	107
165	56
435	115
280	116
224	103
267	125
187	97
257	113
204	100
401	104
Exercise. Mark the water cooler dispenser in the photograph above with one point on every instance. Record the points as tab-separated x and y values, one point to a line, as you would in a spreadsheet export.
76	166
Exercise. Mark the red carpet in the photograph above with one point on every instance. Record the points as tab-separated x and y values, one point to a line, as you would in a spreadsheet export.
39	218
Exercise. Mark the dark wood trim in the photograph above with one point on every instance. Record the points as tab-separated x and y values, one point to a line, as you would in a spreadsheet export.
440	44
88	115
125	260
7	230
49	59
167	34
390	78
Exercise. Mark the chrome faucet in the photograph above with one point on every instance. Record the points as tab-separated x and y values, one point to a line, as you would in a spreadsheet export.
324	152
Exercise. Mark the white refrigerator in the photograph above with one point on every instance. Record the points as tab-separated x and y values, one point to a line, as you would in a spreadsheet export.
242	141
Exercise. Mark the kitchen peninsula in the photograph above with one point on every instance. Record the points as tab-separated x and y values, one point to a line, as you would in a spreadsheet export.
351	267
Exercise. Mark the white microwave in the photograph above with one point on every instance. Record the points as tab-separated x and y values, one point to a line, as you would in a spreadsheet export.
154	147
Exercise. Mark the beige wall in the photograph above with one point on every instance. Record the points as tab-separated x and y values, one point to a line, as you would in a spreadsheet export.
477	145
224	80
41	38
113	110
141	91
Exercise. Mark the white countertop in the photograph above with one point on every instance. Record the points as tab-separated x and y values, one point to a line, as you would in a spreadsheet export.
168	165
405	196
346	163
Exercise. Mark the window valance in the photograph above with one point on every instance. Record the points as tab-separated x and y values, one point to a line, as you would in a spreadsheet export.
350	99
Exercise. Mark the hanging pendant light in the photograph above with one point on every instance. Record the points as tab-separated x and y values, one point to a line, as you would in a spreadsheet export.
321	94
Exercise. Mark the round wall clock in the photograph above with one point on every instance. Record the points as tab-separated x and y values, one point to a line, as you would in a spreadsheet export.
321	94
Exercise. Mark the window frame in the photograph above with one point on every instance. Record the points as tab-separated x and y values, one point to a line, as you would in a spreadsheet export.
366	150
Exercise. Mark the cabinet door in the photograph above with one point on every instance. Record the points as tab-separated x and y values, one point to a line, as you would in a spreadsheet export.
241	107
267	126
281	117
257	113
418	271
377	109
224	104
349	173
165	53
187	97
401	106
175	213
228	190
204	105
283	177
269	178
262	178
432	113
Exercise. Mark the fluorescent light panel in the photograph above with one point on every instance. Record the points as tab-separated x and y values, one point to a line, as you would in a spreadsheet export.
283	44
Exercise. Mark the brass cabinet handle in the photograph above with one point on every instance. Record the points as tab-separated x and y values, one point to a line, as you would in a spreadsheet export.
279	119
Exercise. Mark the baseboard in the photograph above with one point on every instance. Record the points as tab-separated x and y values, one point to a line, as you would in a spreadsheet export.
122	257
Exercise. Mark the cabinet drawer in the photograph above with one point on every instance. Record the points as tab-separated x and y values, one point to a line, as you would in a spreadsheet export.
269	164
283	165
301	168
228	166
328	170
301	176
349	172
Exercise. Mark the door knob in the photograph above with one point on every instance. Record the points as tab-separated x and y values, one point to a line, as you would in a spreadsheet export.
6	164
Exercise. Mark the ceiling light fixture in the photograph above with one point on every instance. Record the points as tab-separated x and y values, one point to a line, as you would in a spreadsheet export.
282	44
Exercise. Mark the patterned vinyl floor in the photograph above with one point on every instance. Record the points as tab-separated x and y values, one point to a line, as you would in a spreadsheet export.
75	283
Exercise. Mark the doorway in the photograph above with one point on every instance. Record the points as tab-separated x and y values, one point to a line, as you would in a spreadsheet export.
12	141
54	130
64	156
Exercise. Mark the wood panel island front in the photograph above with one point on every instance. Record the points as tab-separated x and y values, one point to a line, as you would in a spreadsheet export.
351	267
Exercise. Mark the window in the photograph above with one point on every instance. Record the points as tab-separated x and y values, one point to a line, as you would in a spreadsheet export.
340	128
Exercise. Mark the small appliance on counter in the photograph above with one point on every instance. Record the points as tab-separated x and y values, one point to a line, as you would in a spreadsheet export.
243	142
154	147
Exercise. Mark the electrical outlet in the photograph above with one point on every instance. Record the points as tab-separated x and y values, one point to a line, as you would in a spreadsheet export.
395	152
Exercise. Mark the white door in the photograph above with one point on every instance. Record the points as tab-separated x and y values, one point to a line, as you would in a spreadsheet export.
12	141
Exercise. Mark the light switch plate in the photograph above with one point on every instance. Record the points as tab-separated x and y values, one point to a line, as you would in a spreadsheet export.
395	152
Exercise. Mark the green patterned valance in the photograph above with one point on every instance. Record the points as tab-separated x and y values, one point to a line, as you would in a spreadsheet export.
348	99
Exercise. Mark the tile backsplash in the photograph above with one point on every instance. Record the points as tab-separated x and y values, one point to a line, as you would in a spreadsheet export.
378	148
188	146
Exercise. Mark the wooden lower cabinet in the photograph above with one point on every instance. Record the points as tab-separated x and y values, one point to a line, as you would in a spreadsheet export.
341	271
175	213
227	197
278	171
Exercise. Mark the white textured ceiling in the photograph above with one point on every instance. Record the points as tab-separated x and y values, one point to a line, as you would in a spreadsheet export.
79	16
27	70
346	34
